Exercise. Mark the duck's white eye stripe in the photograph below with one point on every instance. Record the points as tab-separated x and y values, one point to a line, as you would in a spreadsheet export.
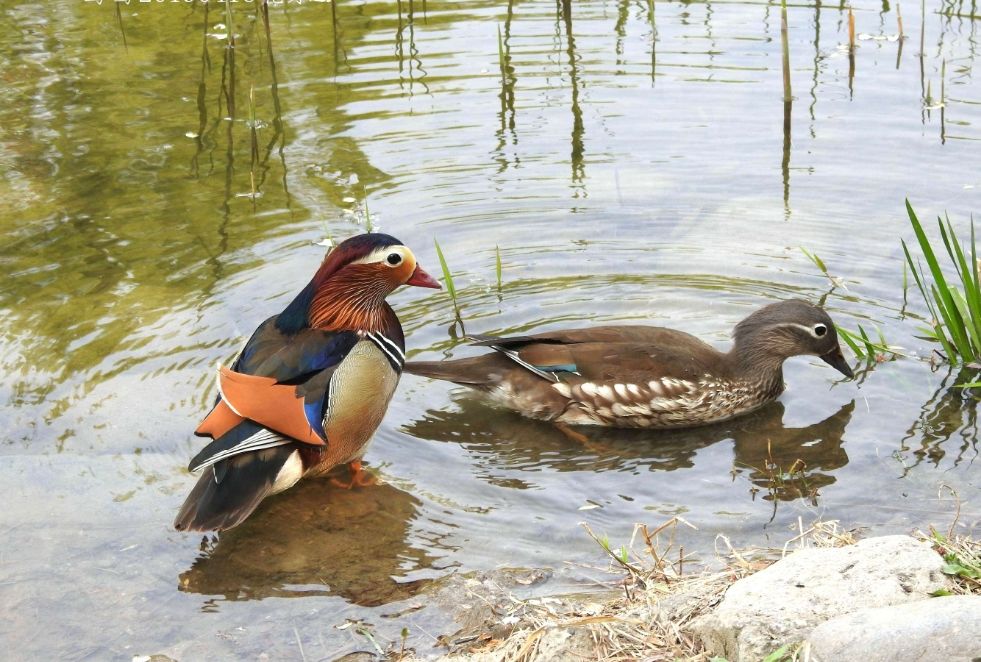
381	255
817	331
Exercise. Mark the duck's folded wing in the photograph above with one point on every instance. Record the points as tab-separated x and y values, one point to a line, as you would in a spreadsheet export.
634	353
295	410
544	358
268	415
280	381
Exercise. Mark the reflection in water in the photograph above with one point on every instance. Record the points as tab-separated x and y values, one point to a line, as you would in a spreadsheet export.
949	411
414	62
788	463
578	128
316	540
792	463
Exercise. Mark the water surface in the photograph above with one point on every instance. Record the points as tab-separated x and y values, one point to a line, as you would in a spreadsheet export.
629	165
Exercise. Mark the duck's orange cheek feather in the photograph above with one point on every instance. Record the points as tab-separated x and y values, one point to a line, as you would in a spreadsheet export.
404	271
261	399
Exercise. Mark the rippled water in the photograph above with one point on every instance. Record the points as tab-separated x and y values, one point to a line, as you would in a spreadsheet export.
628	164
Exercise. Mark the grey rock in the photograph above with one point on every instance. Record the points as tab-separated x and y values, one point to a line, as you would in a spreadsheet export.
944	629
784	602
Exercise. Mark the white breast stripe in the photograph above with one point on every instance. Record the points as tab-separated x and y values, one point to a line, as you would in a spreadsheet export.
391	343
392	351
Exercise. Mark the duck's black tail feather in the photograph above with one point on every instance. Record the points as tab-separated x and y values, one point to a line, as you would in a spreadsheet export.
230	490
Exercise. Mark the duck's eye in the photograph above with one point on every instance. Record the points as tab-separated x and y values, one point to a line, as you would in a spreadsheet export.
820	330
394	259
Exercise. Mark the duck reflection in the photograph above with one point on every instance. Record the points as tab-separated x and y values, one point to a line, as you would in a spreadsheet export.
787	463
316	540
792	463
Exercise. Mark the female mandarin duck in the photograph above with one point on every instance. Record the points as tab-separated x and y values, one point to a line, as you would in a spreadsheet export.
309	389
645	376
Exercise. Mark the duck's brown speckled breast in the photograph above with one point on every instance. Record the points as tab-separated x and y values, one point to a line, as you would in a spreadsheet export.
360	391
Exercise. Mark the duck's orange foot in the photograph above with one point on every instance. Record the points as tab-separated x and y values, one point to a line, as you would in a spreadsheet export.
572	434
359	477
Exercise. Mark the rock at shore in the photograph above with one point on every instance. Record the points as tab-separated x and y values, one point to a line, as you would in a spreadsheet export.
785	602
946	629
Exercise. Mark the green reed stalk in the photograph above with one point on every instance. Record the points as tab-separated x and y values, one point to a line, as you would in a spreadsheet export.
254	139
369	226
448	277
955	310
943	76
497	265
863	346
819	263
500	58
785	48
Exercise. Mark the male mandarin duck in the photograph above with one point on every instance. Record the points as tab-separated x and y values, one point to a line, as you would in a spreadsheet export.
310	387
644	376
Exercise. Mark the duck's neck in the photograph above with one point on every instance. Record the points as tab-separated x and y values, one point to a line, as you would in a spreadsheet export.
753	363
349	303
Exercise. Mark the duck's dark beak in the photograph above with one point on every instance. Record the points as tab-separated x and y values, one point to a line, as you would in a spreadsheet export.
420	278
837	361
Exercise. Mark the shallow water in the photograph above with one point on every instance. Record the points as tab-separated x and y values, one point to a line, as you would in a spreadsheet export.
627	168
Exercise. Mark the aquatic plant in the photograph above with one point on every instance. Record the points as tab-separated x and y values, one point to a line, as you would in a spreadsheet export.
369	226
785	52
962	560
448	277
497	265
864	347
819	263
955	311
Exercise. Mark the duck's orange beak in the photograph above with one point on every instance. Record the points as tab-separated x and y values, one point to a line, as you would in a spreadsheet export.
420	278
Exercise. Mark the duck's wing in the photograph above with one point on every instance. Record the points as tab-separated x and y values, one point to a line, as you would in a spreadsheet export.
611	353
280	381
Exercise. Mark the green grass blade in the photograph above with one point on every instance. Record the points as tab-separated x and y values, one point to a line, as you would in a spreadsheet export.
971	298
964	310
500	57
448	277
869	345
941	289
953	321
947	324
976	268
847	337
936	331
918	279
497	265
818	262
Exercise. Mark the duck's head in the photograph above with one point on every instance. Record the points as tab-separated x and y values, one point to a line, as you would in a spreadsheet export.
789	328
349	289
374	261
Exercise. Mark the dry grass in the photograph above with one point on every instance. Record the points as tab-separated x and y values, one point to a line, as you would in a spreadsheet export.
961	553
661	591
